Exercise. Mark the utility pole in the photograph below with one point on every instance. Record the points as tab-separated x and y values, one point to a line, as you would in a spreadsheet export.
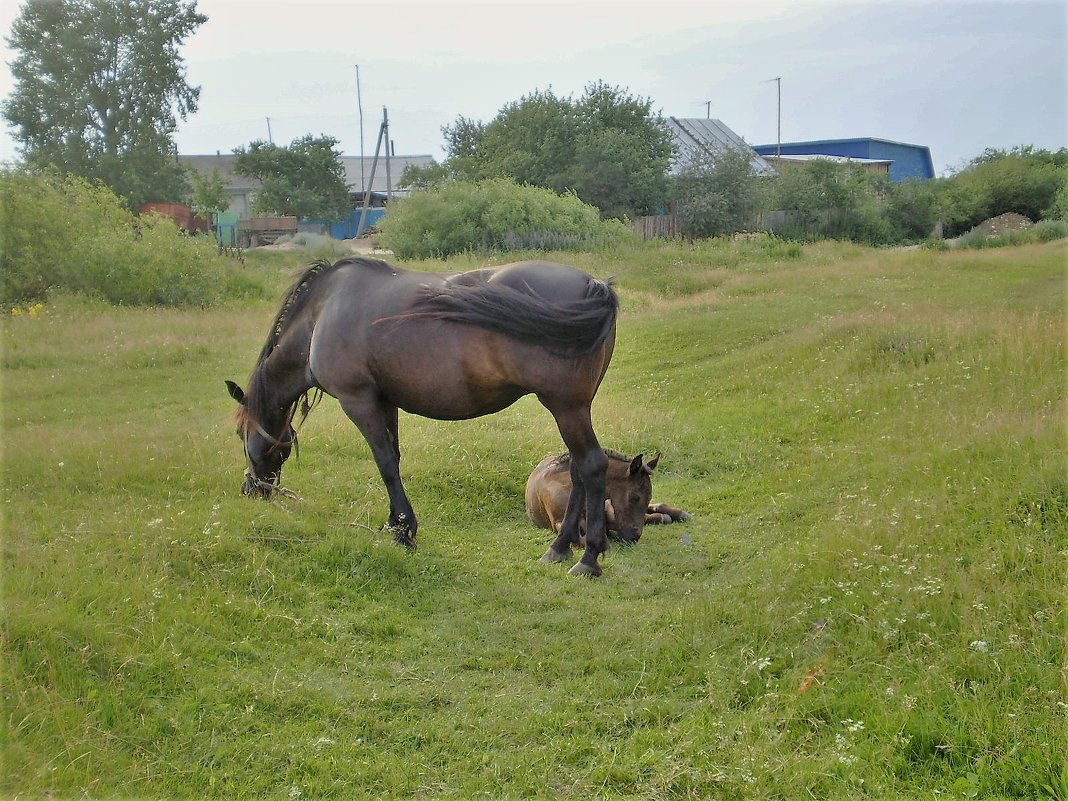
359	105
708	109
383	136
269	137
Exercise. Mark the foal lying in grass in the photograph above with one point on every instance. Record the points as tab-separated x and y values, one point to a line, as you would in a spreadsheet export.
628	491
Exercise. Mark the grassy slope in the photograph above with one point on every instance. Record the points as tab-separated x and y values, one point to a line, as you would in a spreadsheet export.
868	602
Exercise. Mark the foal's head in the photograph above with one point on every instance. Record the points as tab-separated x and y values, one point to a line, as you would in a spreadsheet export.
630	491
265	453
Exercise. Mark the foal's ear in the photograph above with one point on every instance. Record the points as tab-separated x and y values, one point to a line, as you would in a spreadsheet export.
650	466
636	464
236	392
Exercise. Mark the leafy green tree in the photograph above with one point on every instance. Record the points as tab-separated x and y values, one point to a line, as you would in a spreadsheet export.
719	194
209	193
305	179
607	147
97	87
1059	209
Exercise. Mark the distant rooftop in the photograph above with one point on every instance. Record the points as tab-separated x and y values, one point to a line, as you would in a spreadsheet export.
697	138
224	163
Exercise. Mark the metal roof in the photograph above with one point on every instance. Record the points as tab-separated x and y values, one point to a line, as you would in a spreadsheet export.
697	138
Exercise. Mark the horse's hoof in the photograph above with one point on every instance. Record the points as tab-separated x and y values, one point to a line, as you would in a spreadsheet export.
552	557
402	535
582	569
685	516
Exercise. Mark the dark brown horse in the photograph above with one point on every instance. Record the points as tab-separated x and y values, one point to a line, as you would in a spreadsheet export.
628	491
449	347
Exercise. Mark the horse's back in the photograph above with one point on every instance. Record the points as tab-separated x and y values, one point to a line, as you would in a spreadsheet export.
554	282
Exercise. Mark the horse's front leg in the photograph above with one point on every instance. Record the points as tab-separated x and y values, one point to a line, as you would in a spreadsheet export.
377	422
569	533
589	466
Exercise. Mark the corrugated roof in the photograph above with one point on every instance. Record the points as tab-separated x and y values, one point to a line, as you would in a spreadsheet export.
697	138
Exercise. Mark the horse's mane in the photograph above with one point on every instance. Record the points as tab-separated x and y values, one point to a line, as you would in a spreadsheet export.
616	456
295	297
293	301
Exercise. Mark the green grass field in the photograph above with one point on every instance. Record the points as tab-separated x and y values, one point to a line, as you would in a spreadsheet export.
868	603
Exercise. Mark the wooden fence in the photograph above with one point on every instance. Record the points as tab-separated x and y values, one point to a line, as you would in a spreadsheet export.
660	226
667	226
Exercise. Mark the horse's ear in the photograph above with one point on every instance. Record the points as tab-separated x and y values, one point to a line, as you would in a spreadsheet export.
636	464
236	392
650	466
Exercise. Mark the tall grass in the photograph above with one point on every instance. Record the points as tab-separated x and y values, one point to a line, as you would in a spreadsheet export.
868	602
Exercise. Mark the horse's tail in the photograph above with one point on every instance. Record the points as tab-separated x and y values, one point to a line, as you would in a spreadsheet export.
572	327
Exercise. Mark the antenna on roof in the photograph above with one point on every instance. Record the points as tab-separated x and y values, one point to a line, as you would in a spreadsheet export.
778	135
708	109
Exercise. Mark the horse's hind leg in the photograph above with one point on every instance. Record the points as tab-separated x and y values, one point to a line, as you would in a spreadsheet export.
377	422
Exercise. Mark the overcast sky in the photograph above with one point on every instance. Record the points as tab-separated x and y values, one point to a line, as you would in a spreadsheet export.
955	76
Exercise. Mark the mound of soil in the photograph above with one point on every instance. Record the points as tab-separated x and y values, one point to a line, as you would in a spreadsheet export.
1009	221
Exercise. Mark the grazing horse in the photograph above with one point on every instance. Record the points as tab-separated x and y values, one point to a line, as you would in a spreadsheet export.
628	490
449	347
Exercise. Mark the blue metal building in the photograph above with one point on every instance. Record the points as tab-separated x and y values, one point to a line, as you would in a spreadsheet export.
907	161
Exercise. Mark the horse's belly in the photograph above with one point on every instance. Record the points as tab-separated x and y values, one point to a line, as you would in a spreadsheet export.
452	403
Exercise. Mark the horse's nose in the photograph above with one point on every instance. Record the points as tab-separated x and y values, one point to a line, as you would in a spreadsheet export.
255	488
630	535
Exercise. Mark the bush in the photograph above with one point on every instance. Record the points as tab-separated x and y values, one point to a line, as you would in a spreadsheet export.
65	233
494	214
721	195
842	201
1023	180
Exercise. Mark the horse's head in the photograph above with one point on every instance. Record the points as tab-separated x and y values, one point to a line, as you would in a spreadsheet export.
630	497
265	453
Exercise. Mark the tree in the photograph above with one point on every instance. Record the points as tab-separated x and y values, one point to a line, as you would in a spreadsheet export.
719	194
607	147
97	87
305	179
209	194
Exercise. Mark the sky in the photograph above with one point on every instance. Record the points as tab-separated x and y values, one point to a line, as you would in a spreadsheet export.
958	76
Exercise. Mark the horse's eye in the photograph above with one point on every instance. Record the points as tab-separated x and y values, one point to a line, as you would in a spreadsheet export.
635	499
